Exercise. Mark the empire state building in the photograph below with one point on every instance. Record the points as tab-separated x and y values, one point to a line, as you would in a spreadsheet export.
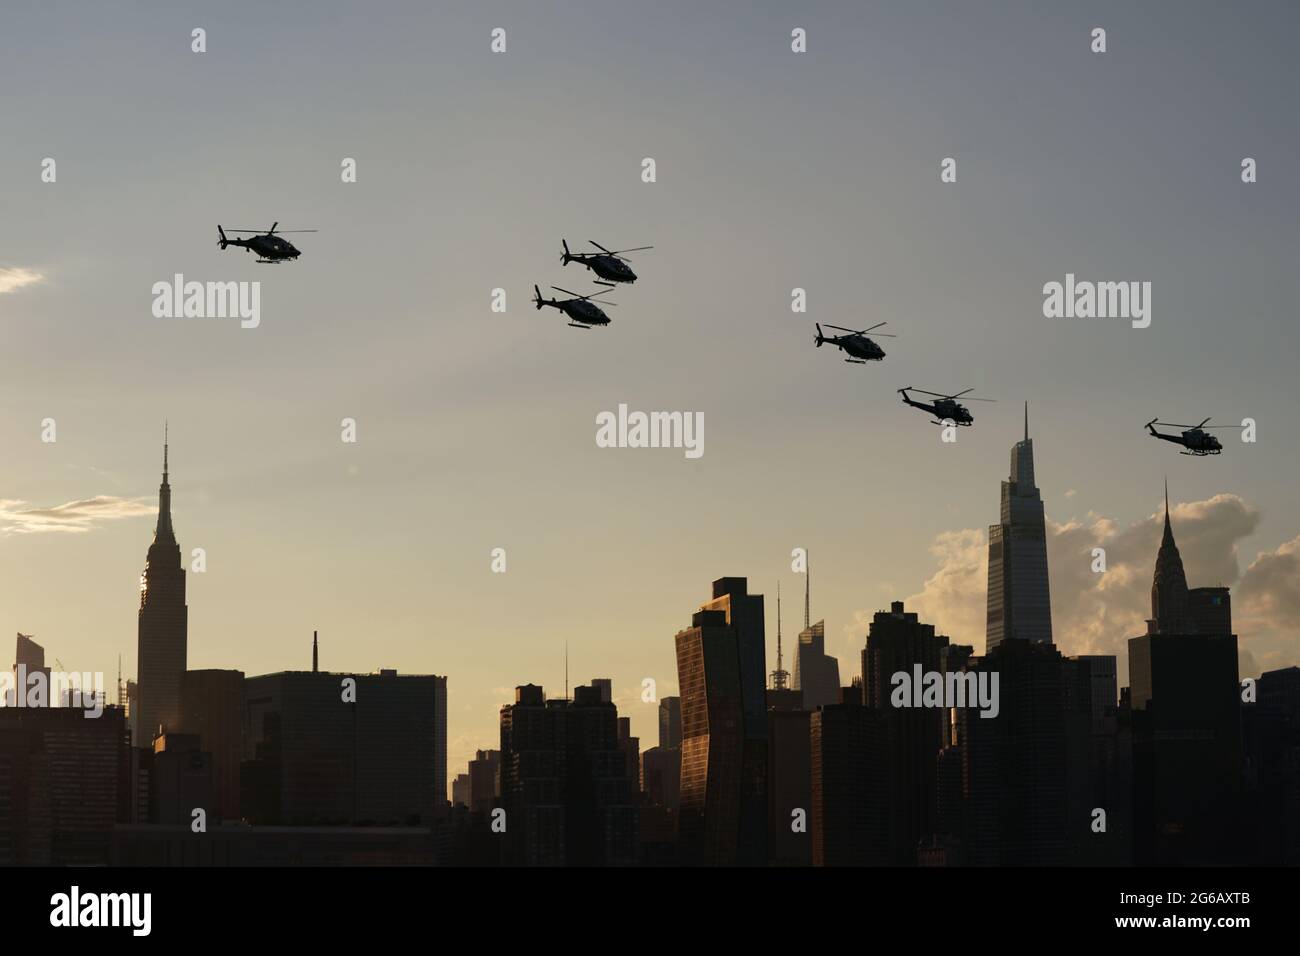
1019	603
162	628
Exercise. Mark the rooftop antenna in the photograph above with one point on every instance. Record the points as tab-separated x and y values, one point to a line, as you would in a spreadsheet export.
780	676
566	670
807	574
119	679
315	653
1026	421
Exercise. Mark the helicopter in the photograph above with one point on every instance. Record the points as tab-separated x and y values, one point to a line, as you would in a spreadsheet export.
582	311
946	407
607	264
855	344
268	245
1195	438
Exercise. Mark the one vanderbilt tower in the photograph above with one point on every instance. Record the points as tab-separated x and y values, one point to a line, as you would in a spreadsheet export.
1019	604
162	629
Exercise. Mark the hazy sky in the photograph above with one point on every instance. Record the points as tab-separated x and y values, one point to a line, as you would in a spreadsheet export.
476	429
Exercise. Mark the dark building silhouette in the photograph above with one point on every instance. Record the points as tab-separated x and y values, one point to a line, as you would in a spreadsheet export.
661	776
314	758
63	784
212	707
631	747
564	787
816	673
1272	748
789	785
460	790
1014	765
849	746
713	740
897	643
1099	768
1019	598
29	659
182	781
1185	699
484	780
721	666
162	628
670	722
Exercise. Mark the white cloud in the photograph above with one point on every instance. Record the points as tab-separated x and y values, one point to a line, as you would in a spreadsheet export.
73	516
16	277
1096	613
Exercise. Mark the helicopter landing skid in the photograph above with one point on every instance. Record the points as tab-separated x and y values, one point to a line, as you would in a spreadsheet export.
575	325
1201	454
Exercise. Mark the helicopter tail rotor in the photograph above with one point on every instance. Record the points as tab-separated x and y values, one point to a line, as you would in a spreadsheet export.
537	298
819	339
223	241
565	257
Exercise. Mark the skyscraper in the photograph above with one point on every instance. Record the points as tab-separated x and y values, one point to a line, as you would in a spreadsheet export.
744	614
1186	701
1019	601
897	642
816	673
163	621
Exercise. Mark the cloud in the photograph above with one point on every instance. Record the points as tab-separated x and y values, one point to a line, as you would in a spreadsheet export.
14	278
1096	613
1266	606
73	516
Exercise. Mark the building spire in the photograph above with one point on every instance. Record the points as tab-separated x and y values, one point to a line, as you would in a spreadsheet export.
1026	421
315	654
780	676
807	575
163	532
1170	613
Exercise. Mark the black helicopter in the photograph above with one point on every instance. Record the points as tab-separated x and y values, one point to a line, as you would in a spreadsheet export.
582	311
946	407
855	344
608	264
268	245
1195	438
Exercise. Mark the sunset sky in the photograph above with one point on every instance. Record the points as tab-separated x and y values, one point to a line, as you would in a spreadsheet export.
476	430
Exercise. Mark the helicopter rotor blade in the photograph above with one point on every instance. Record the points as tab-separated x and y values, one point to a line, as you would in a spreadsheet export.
600	247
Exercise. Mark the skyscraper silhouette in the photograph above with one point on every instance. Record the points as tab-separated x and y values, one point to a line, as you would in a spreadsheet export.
1019	601
1185	699
162	627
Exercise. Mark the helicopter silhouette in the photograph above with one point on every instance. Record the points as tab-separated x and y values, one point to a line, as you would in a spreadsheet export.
268	245
855	344
1195	438
582	310
945	407
608	264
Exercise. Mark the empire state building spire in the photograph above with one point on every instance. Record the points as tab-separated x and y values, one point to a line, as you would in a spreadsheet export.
163	532
162	626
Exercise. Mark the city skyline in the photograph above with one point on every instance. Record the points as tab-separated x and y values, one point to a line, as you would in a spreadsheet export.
631	693
818	171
